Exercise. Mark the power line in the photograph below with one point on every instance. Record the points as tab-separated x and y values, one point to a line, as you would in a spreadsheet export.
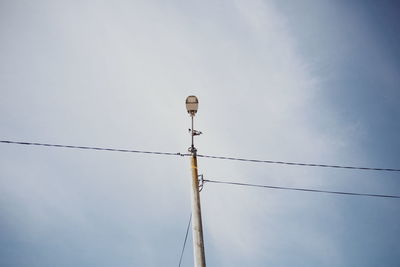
92	148
184	242
302	189
200	155
300	164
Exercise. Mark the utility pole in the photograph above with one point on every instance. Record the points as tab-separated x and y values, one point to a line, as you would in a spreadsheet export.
192	104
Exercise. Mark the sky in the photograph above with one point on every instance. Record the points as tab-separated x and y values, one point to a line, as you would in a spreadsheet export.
303	81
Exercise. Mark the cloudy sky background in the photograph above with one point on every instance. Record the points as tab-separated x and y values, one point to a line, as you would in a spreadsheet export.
305	81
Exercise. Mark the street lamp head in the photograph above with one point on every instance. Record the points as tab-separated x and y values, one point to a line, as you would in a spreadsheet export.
192	104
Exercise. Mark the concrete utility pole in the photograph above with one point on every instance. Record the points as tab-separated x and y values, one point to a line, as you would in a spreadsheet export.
192	104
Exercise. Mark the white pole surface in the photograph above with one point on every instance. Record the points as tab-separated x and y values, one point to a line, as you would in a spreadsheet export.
197	228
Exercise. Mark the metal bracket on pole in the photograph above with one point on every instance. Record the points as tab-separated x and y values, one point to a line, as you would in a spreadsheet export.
192	150
201	182
194	133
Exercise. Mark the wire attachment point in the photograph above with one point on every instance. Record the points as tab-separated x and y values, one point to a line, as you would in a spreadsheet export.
201	182
192	149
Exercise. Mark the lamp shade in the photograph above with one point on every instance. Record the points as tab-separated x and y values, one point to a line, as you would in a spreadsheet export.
192	104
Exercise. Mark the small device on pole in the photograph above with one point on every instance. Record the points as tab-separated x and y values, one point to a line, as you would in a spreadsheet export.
192	104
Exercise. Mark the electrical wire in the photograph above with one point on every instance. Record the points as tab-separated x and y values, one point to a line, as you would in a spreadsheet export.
201	155
302	189
184	242
300	164
93	148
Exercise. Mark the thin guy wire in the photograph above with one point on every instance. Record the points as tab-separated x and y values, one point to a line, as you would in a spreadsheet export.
184	242
302	189
93	148
300	164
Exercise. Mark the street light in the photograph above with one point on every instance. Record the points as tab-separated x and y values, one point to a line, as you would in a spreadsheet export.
192	104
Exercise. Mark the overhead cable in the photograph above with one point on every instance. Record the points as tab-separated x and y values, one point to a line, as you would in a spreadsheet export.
300	164
302	189
201	155
93	148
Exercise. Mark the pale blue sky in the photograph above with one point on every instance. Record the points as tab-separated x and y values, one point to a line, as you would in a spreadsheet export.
305	81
